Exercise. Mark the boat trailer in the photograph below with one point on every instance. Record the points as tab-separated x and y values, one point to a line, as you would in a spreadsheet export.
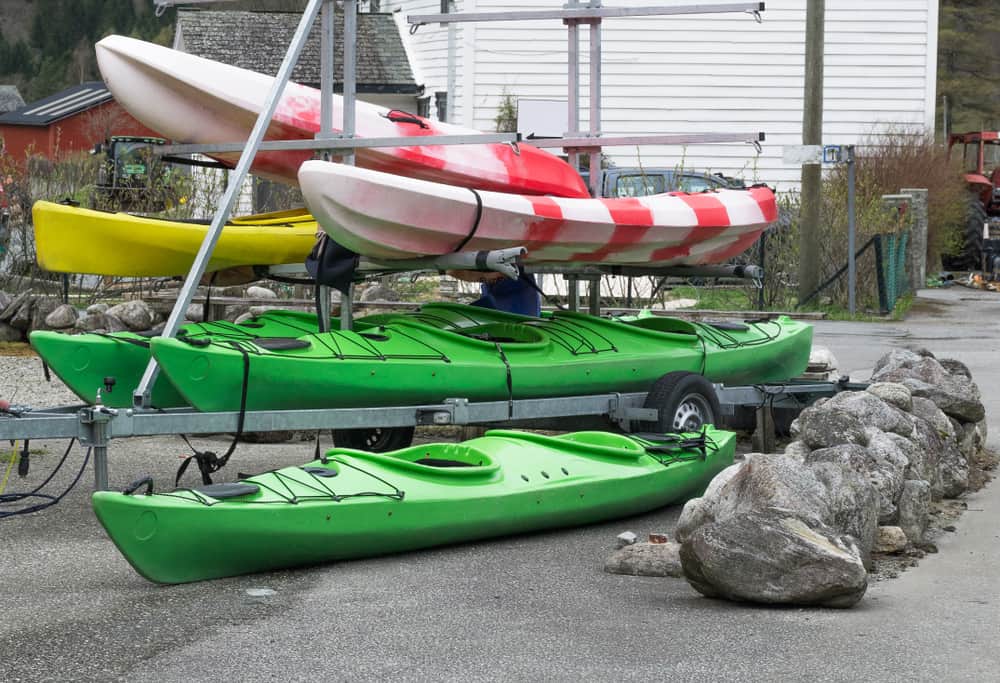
95	426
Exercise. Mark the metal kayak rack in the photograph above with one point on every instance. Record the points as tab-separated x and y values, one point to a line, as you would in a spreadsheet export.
95	426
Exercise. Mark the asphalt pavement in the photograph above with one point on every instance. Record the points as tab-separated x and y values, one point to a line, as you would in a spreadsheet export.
535	607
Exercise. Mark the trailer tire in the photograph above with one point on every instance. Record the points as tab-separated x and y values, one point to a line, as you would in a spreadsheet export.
686	401
375	439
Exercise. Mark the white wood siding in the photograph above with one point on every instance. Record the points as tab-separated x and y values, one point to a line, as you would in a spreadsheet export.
708	73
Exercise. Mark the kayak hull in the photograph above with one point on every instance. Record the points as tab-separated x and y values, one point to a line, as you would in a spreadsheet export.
388	217
194	100
437	354
71	239
375	504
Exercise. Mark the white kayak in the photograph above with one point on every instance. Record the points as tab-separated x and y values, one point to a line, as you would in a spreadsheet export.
390	217
194	100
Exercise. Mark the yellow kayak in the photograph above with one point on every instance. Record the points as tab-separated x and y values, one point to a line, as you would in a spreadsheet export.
70	239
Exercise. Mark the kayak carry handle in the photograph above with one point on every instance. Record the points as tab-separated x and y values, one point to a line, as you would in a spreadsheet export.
400	116
146	481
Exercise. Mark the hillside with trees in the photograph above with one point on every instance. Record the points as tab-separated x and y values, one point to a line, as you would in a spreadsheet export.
969	65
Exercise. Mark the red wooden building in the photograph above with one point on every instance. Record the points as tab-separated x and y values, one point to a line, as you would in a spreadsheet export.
73	120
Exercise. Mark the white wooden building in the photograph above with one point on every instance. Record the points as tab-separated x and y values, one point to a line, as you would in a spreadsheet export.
709	73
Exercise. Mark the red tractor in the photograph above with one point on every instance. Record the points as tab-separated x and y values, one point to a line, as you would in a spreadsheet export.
981	239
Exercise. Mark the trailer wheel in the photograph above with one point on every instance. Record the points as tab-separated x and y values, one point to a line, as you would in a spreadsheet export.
375	440
686	401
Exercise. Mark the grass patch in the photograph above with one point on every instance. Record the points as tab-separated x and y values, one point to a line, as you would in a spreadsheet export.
22	349
713	298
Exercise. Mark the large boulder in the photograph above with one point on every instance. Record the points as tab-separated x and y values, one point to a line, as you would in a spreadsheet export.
951	477
136	314
921	457
872	411
5	300
819	426
91	322
772	556
955	394
762	482
61	317
854	502
258	292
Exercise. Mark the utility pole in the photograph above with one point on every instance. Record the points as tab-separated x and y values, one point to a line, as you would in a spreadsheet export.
812	134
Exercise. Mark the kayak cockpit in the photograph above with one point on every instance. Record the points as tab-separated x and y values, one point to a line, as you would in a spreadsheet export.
451	460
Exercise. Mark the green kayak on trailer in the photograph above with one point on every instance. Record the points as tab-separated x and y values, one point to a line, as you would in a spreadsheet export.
84	361
352	504
452	350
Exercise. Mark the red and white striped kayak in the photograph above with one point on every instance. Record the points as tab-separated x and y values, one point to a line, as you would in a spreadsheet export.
194	100
390	217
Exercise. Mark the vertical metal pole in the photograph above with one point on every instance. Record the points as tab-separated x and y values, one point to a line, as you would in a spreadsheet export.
852	275
326	72
573	96
350	99
452	66
142	392
595	101
326	64
762	251
594	302
573	292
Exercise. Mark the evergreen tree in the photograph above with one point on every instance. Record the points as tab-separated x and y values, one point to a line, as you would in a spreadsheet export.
968	58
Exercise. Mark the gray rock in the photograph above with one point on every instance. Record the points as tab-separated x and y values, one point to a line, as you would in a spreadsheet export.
646	559
4	300
798	450
892	393
972	439
914	508
955	367
953	464
853	500
13	307
114	323
195	313
927	410
887	470
261	310
626	538
243	317
895	359
890	539
922	453
92	322
258	292
764	481
40	311
771	556
955	394
97	308
872	411
136	315
10	334
21	317
62	317
820	426
379	292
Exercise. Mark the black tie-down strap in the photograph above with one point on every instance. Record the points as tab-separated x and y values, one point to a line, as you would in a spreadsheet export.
208	461
331	264
475	225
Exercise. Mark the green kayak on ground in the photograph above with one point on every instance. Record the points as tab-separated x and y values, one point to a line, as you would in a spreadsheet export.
352	504
451	351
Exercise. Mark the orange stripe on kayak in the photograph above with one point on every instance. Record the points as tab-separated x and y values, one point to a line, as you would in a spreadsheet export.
632	221
709	211
696	236
735	249
543	232
765	200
